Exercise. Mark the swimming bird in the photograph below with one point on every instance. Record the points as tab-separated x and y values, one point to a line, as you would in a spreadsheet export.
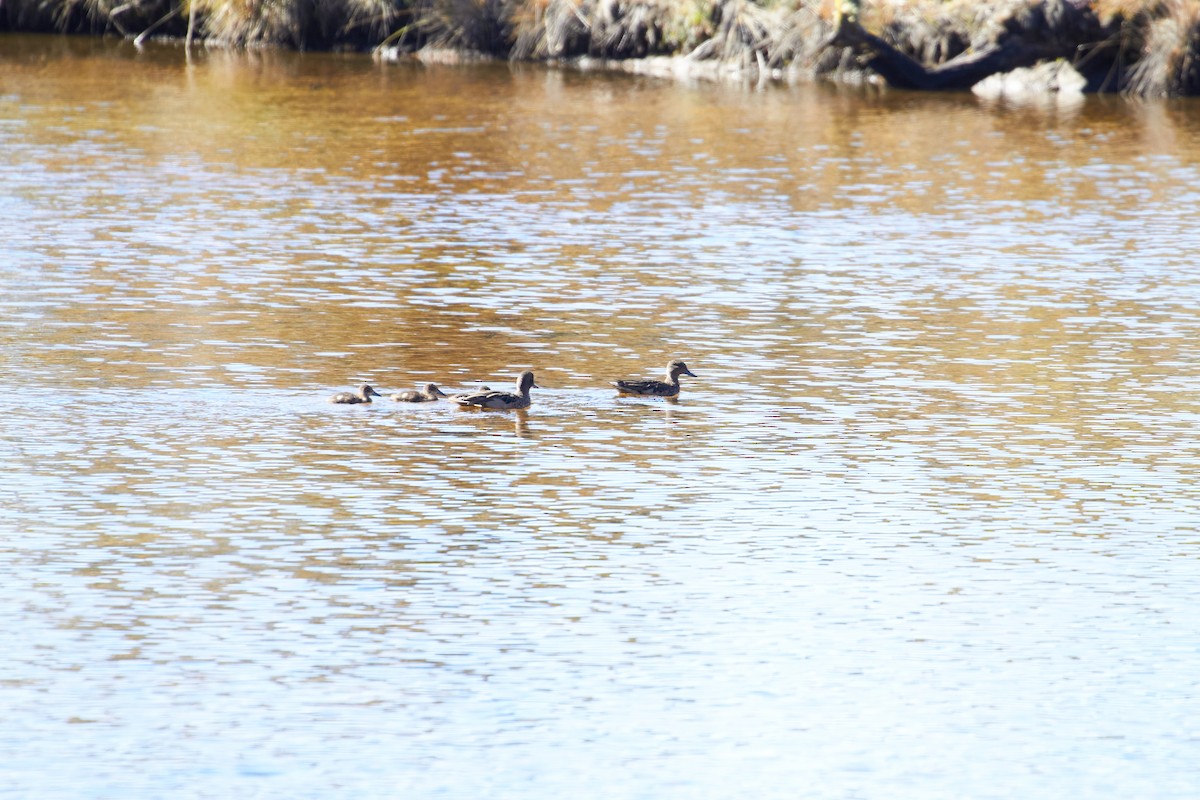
363	395
669	388
486	398
429	393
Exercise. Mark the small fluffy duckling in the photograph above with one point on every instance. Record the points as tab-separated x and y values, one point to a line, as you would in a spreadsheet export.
669	388
363	395
487	398
429	394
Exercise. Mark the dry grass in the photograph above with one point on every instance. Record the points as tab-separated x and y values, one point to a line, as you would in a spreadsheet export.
123	17
1149	47
606	28
799	43
473	25
316	24
742	34
547	29
625	29
371	21
932	33
1168	63
252	22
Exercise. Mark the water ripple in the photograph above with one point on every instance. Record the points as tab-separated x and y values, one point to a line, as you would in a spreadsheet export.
930	500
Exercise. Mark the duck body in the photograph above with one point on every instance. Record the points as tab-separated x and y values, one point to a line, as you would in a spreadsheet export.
363	395
429	394
489	398
652	388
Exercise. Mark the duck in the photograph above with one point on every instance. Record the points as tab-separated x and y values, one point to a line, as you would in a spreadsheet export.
363	395
430	393
487	398
668	388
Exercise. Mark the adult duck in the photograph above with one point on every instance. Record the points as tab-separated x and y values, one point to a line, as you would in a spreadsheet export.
488	398
668	388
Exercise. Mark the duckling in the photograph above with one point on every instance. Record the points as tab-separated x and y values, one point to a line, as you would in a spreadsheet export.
363	395
486	398
670	388
428	394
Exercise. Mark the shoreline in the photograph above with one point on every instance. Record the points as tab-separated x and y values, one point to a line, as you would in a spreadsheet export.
1023	46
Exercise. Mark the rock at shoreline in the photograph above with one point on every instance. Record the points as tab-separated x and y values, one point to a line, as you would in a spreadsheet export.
1055	80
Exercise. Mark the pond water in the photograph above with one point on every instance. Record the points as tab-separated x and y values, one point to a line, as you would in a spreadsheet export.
925	524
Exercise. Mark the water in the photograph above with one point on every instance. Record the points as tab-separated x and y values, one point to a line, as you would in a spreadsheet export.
924	526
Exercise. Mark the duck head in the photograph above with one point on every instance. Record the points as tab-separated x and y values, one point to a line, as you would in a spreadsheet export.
525	382
677	368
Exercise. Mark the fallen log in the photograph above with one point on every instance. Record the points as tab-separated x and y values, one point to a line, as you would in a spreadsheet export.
1043	31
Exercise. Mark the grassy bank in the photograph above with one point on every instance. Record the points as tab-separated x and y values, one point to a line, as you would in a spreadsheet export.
1145	47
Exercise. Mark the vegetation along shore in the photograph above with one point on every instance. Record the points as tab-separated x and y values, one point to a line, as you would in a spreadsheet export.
1141	47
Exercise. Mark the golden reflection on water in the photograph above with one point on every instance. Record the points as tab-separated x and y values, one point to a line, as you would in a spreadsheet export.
944	427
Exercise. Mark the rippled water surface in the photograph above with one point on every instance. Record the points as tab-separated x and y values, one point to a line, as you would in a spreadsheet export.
924	526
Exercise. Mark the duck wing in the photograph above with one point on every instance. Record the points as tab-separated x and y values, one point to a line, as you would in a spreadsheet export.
656	388
490	399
